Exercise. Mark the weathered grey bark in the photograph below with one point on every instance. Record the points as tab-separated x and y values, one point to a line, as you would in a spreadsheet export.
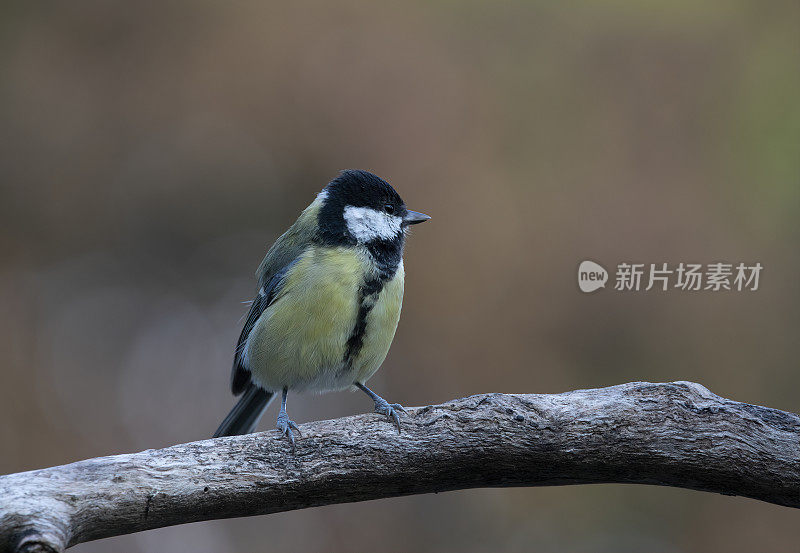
676	434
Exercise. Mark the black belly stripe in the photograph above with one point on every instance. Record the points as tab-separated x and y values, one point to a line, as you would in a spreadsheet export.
368	295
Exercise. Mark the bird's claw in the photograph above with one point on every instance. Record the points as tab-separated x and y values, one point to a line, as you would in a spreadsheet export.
390	410
285	427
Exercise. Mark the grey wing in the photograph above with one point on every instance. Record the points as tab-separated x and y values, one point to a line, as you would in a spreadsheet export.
286	248
240	375
280	257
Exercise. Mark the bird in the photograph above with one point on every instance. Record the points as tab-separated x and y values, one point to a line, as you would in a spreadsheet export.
330	290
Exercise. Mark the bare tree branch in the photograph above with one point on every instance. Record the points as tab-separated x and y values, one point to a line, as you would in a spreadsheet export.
677	434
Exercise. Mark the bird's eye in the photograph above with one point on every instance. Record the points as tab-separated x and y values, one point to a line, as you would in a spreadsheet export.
388	208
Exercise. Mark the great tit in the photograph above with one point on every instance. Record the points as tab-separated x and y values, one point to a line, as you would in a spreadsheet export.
328	302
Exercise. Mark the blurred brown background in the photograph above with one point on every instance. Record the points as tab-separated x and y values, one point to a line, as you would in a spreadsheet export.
152	152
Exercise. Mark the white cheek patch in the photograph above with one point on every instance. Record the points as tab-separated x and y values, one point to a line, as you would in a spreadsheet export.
366	224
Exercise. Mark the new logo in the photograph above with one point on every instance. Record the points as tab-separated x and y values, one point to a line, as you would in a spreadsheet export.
591	276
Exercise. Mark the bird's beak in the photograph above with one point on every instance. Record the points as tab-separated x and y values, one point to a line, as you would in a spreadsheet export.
414	217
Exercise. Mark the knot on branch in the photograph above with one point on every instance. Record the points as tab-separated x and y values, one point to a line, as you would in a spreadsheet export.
34	533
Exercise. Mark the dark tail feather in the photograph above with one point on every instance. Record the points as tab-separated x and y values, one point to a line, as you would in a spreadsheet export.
245	415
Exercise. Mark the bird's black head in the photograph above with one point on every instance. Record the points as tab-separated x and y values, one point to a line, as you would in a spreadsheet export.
361	208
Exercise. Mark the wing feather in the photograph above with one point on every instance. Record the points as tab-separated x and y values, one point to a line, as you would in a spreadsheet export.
240	375
270	273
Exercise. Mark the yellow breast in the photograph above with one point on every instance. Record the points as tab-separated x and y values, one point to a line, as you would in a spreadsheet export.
382	322
300	341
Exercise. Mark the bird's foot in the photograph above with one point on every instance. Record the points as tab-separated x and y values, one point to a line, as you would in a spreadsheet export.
285	426
383	407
